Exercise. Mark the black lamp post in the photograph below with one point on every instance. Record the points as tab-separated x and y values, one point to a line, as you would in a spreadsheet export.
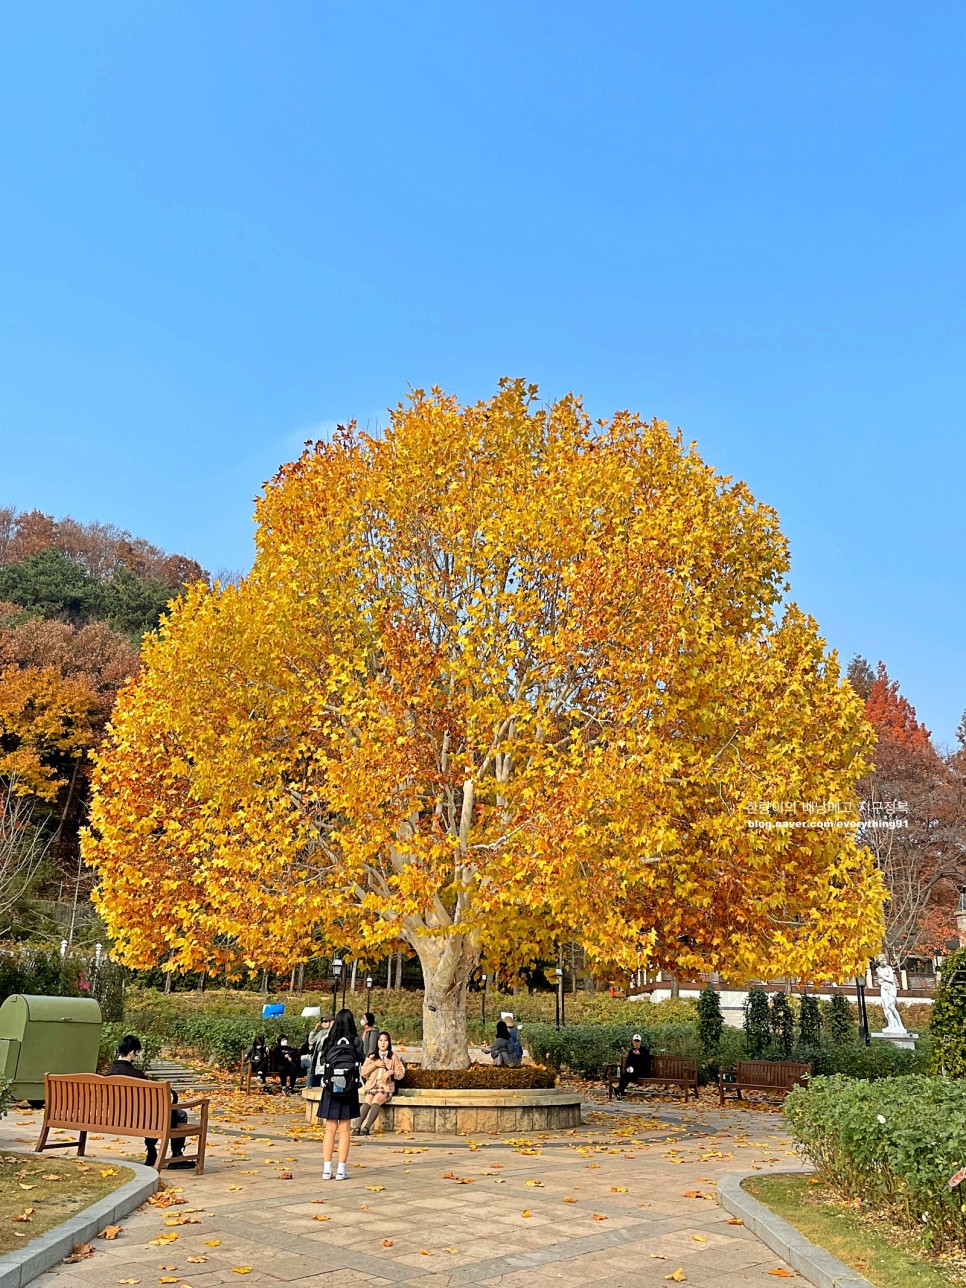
561	1012
864	1033
336	971
483	1002
368	992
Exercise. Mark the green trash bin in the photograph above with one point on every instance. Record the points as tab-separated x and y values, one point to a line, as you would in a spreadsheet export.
41	1035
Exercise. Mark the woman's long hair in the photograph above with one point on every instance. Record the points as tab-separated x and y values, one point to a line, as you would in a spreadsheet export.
501	1029
343	1026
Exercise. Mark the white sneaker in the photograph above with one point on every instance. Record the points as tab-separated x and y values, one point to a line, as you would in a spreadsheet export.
341	1176
327	1174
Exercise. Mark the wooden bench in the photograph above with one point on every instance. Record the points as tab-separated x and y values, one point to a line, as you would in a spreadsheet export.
85	1102
775	1076
666	1071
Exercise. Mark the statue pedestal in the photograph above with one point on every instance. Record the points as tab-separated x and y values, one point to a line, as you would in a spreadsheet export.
904	1040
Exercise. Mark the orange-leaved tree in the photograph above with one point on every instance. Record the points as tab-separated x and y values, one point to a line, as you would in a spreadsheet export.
499	678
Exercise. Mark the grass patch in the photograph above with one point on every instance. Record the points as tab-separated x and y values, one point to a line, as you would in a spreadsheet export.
47	1192
874	1249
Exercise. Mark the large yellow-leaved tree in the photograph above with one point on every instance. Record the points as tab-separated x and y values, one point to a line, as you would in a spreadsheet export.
498	678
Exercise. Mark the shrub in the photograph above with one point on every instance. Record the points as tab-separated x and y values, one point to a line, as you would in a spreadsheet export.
809	1021
480	1076
896	1144
948	1026
39	972
757	1024
586	1049
6	1097
782	1026
710	1021
841	1023
881	1060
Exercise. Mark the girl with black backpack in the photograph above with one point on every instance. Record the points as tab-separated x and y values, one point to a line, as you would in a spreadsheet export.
338	1065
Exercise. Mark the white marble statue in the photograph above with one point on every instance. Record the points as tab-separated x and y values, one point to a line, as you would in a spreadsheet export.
888	993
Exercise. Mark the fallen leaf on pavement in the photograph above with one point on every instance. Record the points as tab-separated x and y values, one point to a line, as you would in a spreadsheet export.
387	1243
735	1220
599	1216
80	1253
678	1276
111	1231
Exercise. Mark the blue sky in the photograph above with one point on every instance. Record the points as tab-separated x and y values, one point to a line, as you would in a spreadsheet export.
225	226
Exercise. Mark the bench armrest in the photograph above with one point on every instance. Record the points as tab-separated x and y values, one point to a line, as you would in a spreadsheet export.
194	1104
611	1071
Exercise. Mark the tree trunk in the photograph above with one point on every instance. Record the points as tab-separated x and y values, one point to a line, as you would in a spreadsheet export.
399	965
448	963
352	982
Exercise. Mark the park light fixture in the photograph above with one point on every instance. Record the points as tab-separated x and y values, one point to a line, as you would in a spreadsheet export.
483	1000
336	971
561	1013
368	992
97	954
63	948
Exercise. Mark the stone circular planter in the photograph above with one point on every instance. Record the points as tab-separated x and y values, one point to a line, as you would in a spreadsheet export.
464	1113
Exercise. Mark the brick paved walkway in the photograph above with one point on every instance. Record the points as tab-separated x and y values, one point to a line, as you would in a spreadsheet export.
609	1204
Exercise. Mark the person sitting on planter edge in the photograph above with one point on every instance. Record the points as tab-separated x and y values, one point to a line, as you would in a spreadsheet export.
128	1050
635	1065
513	1035
500	1050
381	1072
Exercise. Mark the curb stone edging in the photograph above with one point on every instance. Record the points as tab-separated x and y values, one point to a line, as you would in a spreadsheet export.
814	1263
17	1269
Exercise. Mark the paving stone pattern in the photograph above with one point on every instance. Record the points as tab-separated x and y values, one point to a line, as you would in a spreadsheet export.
447	1211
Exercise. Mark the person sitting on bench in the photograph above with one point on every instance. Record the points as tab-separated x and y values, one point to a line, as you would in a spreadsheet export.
635	1065
128	1049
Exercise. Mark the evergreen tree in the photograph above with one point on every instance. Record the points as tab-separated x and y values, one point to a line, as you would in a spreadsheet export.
947	1024
50	584
710	1021
861	676
809	1022
757	1023
841	1025
782	1025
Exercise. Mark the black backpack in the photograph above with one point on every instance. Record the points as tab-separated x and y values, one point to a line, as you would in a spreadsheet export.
340	1068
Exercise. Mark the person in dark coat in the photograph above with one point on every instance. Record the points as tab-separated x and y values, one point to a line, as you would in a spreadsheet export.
338	1109
501	1050
258	1058
286	1063
370	1035
128	1050
635	1065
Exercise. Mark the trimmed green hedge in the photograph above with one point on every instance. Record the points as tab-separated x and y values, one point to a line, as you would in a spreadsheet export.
895	1144
586	1049
478	1077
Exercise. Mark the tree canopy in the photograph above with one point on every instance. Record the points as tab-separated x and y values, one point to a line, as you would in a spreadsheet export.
499	678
